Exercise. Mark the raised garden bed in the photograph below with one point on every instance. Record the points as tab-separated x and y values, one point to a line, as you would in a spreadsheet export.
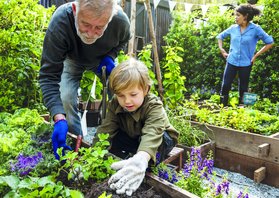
252	155
152	186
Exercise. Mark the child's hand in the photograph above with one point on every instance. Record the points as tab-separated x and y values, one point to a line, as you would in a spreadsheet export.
130	173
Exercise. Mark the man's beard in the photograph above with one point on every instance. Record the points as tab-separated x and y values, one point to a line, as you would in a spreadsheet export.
84	36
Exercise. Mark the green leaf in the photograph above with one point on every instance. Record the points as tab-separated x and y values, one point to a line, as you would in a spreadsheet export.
11	180
76	194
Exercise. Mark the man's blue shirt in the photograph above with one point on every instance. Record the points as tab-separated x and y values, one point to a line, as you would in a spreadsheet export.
243	45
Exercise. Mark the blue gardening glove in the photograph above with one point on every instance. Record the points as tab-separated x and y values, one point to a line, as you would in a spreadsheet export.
108	62
59	137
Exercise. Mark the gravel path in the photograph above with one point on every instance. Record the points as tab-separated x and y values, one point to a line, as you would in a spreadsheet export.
239	182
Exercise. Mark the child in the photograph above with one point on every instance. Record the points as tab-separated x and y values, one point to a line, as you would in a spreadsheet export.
137	124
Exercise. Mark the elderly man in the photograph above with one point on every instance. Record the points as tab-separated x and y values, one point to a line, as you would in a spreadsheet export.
82	35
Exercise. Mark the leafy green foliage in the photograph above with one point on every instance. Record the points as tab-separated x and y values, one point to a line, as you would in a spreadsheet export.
86	84
145	57
173	82
122	57
255	121
188	135
22	26
16	131
265	73
104	195
92	162
33	187
265	105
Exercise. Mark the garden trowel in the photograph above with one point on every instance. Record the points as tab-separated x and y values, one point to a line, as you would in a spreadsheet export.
83	118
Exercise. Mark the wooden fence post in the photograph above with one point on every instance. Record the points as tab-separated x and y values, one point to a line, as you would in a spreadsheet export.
132	28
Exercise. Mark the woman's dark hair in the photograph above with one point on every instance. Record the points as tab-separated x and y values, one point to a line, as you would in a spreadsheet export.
249	11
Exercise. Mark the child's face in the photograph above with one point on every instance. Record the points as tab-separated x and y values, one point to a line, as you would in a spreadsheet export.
131	98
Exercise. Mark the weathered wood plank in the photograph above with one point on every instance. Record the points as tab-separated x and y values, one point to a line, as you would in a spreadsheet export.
242	142
259	174
167	187
175	157
275	135
246	165
263	149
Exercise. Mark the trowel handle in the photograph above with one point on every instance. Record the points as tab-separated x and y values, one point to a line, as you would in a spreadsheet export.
78	143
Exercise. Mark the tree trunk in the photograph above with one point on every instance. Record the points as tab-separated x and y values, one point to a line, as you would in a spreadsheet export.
154	45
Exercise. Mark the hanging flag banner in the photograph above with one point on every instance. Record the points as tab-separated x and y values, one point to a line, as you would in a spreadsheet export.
172	5
156	2
223	9
188	7
204	9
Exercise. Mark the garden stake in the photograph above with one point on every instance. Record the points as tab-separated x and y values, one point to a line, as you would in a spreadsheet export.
104	99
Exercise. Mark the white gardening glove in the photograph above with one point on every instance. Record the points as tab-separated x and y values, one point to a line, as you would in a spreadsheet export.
130	173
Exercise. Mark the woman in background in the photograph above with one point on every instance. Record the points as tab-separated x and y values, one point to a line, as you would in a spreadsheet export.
244	36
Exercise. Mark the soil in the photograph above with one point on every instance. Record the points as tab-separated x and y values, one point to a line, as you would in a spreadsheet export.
144	191
92	189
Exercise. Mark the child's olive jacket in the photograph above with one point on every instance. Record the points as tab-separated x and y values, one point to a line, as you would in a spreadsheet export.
149	122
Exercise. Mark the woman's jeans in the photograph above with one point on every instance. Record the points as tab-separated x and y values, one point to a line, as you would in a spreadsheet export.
243	79
124	146
70	81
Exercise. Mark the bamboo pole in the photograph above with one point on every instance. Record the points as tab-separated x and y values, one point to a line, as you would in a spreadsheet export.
155	51
131	43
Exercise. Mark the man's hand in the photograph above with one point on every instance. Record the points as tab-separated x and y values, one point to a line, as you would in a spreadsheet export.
130	173
59	137
108	62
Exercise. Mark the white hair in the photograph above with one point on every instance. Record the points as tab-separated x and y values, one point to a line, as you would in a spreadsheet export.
99	7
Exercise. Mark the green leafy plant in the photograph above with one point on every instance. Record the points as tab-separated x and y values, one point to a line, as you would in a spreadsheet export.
33	187
16	132
90	162
86	85
188	135
145	57
104	195
122	57
23	24
173	81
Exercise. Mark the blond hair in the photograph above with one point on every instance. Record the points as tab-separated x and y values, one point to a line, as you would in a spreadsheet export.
129	73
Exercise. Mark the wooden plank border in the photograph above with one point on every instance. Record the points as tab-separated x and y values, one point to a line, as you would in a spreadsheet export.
243	143
246	166
170	189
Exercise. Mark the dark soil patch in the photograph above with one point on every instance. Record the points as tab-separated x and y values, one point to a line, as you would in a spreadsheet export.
92	189
144	191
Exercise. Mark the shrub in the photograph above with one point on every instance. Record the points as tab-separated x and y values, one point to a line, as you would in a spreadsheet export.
22	26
